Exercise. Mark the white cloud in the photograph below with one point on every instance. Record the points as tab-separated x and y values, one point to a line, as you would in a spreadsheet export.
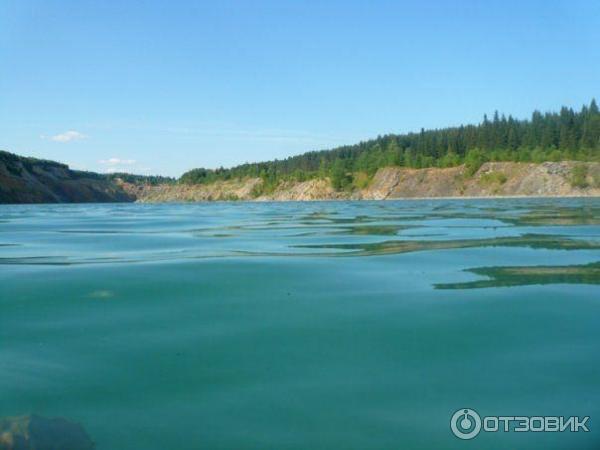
117	161
118	165
68	136
121	169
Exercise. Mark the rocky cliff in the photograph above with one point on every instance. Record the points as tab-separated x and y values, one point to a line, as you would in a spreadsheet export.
492	179
30	180
547	179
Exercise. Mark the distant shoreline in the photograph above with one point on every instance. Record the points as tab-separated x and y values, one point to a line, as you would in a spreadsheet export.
492	180
317	200
26	180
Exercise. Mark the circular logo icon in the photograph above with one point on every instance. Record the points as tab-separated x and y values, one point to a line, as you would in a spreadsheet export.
465	423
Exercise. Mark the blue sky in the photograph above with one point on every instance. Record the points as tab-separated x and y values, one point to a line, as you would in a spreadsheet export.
162	87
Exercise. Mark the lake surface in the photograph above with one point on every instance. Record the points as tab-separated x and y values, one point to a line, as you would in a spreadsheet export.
321	325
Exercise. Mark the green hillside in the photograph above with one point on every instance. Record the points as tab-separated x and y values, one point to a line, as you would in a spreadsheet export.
551	136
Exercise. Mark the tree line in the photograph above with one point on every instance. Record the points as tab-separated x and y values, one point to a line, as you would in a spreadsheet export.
551	136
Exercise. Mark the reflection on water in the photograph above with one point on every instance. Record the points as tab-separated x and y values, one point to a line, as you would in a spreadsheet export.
327	325
526	240
524	275
586	215
75	235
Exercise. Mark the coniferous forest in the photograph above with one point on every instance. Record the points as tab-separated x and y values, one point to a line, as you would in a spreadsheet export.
551	136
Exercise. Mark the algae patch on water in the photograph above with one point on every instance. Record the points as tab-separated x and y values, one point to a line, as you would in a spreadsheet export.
529	275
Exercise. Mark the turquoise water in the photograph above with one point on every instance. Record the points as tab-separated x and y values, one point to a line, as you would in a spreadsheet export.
325	325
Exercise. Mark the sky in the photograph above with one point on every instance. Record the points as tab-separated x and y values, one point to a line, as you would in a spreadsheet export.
160	87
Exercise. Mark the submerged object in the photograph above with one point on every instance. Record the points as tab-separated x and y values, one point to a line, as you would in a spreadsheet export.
35	432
